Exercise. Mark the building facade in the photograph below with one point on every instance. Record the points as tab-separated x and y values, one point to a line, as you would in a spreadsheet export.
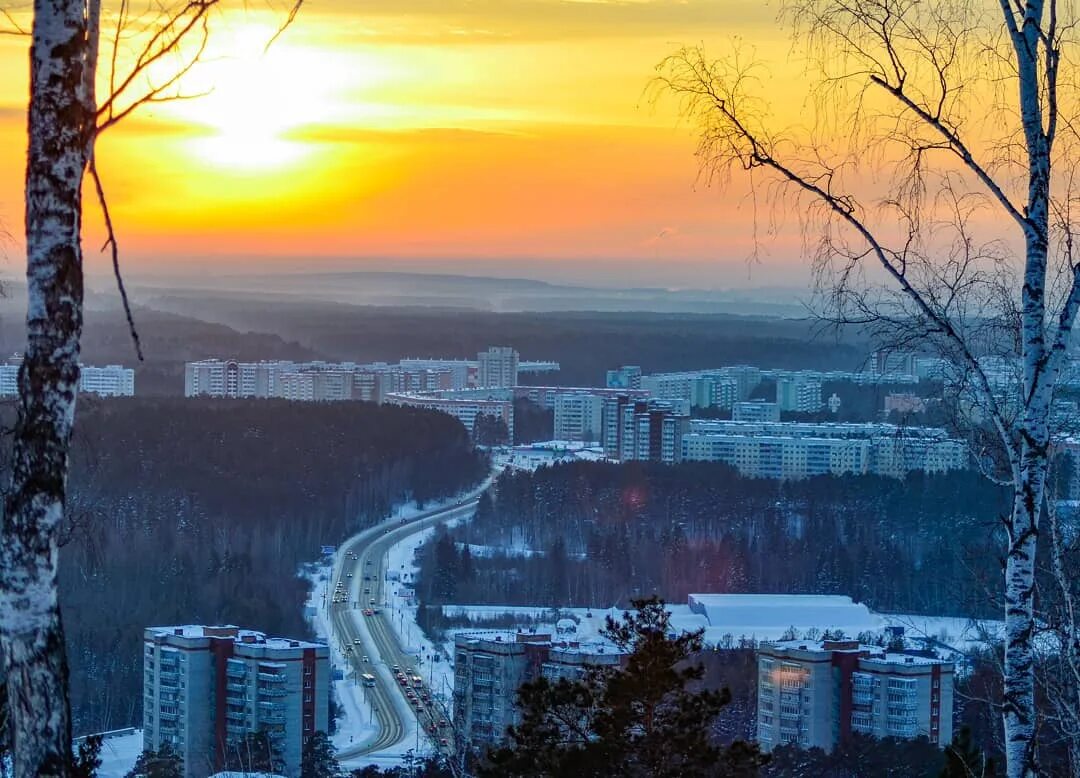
789	450
755	410
498	368
108	381
798	393
205	688
490	667
817	694
578	416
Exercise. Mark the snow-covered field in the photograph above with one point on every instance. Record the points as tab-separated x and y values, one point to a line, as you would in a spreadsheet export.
119	752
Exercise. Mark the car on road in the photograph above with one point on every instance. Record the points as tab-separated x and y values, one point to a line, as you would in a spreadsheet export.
395	668
367	590
367	577
367	612
367	562
348	575
356	641
364	658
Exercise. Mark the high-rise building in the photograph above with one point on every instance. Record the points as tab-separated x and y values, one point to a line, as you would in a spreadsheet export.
498	367
205	688
578	416
490	667
818	693
626	377
798	393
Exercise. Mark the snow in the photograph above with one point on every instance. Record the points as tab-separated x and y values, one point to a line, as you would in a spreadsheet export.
729	618
119	750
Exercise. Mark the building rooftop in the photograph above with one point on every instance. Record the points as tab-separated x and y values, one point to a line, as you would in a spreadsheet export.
873	654
230	631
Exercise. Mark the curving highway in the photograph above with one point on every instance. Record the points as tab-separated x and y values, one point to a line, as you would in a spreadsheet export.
360	566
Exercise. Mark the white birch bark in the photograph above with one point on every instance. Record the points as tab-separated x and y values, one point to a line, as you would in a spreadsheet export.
60	128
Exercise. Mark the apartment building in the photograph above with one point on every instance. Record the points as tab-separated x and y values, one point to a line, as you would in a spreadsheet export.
578	416
205	687
818	693
790	450
755	410
798	393
625	377
498	367
108	381
465	406
700	389
490	666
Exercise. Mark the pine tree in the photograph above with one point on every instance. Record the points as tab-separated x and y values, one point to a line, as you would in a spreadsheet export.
163	763
643	719
318	760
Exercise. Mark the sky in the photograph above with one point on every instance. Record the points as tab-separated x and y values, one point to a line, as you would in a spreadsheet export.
480	135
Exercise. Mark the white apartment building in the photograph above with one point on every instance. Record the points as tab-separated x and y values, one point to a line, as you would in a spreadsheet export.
798	393
701	389
578	416
755	410
465	406
498	367
793	450
205	687
818	693
108	381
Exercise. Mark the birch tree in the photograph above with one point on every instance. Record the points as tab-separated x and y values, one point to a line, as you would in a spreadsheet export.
65	118
935	192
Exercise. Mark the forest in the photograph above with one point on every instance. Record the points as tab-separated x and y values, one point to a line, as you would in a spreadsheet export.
202	511
595	534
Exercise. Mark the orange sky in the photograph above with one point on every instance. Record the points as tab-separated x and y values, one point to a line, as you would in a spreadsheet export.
490	129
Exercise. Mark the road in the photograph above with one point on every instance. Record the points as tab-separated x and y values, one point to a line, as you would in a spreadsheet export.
363	557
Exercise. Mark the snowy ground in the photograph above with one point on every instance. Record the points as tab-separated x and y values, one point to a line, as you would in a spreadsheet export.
119	752
963	635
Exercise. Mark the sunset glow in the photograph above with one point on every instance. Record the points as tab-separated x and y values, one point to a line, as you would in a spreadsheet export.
419	130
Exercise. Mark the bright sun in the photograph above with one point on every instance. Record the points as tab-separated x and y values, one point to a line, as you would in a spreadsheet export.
256	101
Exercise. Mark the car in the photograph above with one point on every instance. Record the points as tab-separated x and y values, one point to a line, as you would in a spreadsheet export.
367	612
356	641
364	658
348	575
368	562
348	649
367	590
395	668
367	577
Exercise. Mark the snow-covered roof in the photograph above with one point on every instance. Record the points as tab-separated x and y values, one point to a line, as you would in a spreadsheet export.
762	614
248	637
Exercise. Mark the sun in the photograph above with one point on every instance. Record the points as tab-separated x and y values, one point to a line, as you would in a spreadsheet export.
253	100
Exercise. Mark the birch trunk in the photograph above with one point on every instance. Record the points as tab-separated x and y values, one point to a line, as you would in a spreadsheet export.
1019	709
60	128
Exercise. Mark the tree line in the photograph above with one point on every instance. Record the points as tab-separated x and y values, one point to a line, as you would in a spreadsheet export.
596	534
203	511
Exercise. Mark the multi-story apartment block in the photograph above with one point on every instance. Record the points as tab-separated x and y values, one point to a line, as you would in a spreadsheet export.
498	368
791	450
626	377
578	416
817	694
205	687
465	406
108	381
643	430
755	410
798	393
490	666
